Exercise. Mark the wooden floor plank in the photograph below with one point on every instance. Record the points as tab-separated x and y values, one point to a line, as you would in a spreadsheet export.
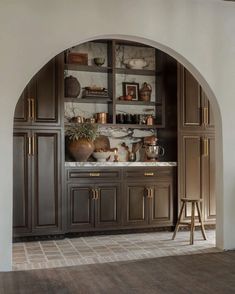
202	273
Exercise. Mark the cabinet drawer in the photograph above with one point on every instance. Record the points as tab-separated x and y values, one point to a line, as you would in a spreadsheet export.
148	173
95	174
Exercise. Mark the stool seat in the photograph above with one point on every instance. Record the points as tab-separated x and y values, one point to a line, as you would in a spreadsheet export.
191	200
192	224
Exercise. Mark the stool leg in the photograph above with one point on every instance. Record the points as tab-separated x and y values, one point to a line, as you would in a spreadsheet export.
192	224
201	221
178	221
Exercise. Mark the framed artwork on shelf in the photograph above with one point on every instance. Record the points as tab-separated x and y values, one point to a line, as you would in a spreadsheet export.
131	89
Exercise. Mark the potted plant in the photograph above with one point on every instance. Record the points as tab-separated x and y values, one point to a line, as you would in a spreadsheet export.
80	140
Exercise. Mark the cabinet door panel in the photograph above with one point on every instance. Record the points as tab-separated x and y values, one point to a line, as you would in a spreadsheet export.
208	177
80	207
161	206
47	202
21	109
136	204
190	101
108	205
45	95
21	184
190	169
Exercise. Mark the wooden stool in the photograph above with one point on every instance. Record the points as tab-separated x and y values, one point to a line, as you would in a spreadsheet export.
192	224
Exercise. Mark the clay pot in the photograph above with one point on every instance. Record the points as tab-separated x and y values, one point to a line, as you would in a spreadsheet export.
145	92
81	149
72	87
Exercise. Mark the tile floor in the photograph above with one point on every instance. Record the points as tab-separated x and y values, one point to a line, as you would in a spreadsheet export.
101	249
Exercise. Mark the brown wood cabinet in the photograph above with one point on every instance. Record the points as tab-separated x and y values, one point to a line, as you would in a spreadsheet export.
37	182
196	145
39	103
119	198
148	200
136	204
92	206
195	112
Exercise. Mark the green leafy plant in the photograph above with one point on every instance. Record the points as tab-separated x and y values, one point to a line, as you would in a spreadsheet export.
86	131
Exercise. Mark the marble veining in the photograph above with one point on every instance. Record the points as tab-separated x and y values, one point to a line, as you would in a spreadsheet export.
119	164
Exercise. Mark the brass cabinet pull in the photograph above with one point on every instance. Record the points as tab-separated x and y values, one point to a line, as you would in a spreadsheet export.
97	194
33	145
148	174
93	194
151	192
205	116
29	109
29	146
205	147
33	109
94	174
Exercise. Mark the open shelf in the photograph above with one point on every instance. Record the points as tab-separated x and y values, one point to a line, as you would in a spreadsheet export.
133	102
113	77
129	126
142	72
97	100
89	68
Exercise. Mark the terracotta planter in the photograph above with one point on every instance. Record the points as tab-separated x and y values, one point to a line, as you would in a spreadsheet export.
81	149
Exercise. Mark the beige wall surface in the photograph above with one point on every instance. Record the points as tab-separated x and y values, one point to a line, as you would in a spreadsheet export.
200	33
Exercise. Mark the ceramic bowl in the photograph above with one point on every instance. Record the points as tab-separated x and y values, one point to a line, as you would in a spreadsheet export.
99	61
137	63
101	156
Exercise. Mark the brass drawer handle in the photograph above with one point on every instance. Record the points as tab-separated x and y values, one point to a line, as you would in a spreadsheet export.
94	174
148	174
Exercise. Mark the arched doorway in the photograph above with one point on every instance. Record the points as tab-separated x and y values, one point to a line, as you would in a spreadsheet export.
31	107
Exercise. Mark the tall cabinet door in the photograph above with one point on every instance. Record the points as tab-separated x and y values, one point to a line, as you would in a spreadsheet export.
135	204
39	102
208	178
46	181
44	94
21	183
108	205
80	207
190	106
190	168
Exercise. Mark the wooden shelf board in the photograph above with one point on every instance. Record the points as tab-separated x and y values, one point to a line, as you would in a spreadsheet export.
98	100
89	68
133	102
143	72
130	126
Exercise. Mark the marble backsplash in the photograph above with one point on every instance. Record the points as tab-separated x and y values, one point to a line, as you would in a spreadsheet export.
124	53
118	136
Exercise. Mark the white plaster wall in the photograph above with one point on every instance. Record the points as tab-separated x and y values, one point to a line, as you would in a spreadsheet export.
202	31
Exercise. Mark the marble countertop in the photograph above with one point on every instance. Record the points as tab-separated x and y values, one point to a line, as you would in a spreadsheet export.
118	164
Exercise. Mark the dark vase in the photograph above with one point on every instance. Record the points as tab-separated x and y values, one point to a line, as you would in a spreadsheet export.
81	149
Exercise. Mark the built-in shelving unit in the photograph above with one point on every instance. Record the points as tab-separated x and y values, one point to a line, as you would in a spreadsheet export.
114	73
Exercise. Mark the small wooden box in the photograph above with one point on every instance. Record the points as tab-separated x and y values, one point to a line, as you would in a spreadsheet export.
77	58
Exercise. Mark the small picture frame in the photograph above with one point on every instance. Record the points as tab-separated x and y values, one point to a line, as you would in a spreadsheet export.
131	89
